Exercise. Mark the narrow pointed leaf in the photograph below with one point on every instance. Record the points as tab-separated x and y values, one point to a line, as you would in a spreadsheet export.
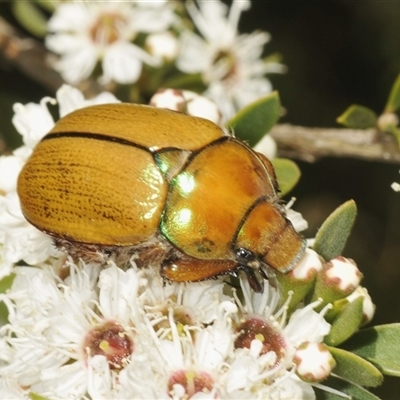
346	323
287	174
358	117
5	284
380	345
332	236
30	17
355	369
355	391
255	120
393	103
47	5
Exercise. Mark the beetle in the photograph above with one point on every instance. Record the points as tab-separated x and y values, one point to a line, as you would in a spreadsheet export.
117	180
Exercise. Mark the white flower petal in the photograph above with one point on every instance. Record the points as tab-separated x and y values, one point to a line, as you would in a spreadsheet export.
78	65
118	293
63	43
10	167
123	63
33	121
66	382
306	325
22	240
195	55
99	380
70	17
153	19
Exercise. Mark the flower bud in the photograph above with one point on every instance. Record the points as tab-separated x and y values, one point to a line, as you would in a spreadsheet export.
338	278
368	305
387	121
314	362
267	146
162	45
301	279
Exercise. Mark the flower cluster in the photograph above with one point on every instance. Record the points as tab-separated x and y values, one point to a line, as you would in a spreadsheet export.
121	334
85	331
137	42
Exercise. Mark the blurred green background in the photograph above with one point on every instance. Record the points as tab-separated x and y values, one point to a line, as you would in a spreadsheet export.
337	53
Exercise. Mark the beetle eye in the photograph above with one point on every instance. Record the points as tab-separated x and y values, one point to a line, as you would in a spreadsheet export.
244	256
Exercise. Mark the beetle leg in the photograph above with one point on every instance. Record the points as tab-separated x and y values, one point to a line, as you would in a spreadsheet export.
254	282
192	269
263	274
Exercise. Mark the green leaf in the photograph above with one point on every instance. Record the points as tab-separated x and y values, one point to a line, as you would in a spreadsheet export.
191	82
255	120
34	396
358	117
346	323
393	103
355	369
287	174
332	236
380	345
5	284
47	5
355	391
30	17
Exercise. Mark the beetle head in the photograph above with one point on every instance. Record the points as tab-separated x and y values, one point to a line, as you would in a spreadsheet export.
267	238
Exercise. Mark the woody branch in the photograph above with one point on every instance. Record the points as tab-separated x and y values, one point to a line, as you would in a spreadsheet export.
302	143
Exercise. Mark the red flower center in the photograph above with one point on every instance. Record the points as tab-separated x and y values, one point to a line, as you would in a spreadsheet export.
112	341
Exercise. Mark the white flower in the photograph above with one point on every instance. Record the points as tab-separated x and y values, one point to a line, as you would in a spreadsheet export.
123	334
230	64
84	33
10	167
272	342
187	102
297	220
19	240
33	121
57	327
196	353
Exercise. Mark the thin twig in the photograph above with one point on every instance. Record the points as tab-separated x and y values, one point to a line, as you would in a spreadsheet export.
310	144
33	60
27	55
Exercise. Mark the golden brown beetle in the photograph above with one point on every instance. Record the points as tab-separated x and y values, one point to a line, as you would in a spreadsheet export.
117	179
